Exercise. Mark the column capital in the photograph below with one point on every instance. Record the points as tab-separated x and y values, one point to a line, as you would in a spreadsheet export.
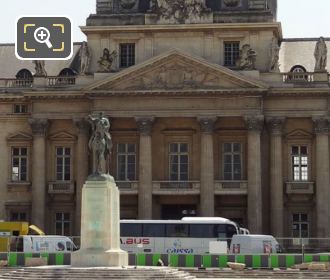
144	124
321	125
207	124
254	123
275	125
82	124
39	126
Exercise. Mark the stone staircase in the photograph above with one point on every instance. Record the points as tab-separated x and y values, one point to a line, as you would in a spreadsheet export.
258	274
69	273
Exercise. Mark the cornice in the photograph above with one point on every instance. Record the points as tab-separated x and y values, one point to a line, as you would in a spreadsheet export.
251	92
301	92
184	27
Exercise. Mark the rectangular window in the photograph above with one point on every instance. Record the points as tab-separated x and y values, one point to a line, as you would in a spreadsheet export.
177	230
127	55
179	161
19	164
63	224
232	161
299	155
18	217
153	230
231	53
300	225
126	162
127	230
63	164
20	109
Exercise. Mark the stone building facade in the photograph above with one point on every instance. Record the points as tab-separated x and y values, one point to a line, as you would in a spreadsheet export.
209	117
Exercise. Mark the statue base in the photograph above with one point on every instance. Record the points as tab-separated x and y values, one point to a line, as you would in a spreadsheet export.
321	77
100	237
99	258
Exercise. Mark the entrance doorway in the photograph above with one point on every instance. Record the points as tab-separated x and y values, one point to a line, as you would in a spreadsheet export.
177	212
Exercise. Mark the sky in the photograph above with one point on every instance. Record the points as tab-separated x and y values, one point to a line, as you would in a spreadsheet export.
300	18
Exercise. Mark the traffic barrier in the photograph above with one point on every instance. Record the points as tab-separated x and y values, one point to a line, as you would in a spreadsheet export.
207	261
220	261
18	259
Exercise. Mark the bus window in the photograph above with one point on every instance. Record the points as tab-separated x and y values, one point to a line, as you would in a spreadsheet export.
153	230
202	231
220	231
231	230
177	230
127	230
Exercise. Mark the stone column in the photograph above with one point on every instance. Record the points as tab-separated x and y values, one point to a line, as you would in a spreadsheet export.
276	177
254	125
81	166
322	176
207	167
145	168
39	129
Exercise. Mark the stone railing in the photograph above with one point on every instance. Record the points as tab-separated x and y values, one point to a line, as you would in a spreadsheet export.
182	187
231	187
298	77
300	187
128	186
60	187
61	81
16	83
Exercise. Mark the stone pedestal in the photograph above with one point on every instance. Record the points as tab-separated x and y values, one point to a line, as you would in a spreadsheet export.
100	235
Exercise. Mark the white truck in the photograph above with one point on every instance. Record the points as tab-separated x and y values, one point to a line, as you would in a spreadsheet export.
254	244
42	243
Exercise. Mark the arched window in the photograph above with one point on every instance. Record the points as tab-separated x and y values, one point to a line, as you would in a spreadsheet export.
66	77
297	70
24	74
24	78
67	72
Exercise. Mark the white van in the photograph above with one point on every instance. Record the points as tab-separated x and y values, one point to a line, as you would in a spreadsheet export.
42	243
254	244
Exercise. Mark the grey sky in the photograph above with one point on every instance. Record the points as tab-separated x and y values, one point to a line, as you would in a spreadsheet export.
300	18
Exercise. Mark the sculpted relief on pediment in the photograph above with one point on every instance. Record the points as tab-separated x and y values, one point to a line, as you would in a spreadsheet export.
173	76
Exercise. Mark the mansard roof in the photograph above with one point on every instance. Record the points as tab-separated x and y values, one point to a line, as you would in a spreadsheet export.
10	64
299	51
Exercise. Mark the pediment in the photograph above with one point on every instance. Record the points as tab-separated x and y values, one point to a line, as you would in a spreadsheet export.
299	134
62	136
175	70
19	137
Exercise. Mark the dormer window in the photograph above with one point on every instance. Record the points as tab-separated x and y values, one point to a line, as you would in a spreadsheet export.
24	74
67	72
24	78
298	70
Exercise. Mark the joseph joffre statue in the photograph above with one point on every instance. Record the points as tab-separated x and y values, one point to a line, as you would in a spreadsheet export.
100	143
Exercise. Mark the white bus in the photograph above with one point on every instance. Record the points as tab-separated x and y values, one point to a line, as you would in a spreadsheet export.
187	236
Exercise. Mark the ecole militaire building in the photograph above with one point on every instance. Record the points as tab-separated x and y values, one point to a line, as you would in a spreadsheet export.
203	121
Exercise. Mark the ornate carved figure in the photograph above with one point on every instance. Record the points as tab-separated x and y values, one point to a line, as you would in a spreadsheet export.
247	58
179	11
85	57
106	60
320	54
40	68
274	52
100	142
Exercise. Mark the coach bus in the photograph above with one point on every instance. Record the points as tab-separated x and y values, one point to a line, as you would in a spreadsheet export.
187	236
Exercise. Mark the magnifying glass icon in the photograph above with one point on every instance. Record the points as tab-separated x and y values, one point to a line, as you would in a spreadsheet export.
42	35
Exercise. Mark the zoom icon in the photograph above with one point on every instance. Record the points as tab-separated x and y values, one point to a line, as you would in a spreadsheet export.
43	38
